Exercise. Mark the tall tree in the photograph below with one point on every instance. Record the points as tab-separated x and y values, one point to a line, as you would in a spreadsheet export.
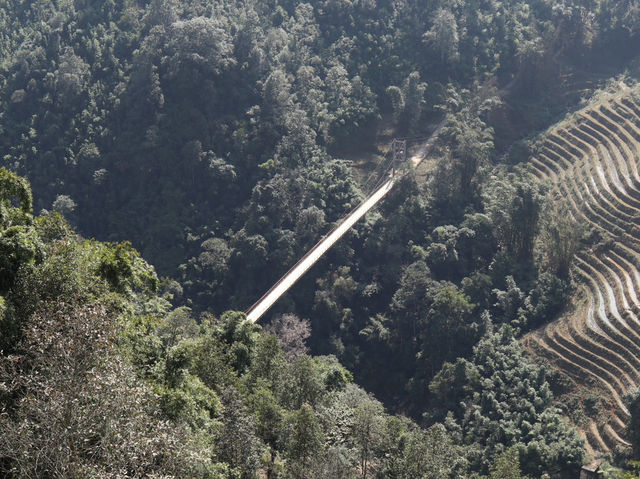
514	204
305	443
443	35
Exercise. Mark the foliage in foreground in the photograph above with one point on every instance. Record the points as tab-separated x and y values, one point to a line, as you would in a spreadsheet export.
101	377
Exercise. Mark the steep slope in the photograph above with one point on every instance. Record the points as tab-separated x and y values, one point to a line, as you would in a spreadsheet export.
591	164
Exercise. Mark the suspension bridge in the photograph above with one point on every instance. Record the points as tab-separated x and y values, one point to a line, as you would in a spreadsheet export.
384	184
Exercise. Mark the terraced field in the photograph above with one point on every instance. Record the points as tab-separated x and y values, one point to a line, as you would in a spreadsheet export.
592	165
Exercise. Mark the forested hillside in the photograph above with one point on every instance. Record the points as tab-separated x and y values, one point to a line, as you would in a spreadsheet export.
222	139
101	377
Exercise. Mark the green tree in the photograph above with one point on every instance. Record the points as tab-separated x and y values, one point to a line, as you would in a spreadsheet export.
506	466
13	186
449	388
473	142
448	328
302	384
367	432
397	101
443	35
514	203
237	442
431	454
408	101
270	418
240	336
411	301
559	239
305	443
19	245
469	144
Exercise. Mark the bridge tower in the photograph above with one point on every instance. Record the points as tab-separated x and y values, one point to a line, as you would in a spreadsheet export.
399	149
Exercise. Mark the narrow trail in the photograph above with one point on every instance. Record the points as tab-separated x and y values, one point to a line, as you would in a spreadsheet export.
592	166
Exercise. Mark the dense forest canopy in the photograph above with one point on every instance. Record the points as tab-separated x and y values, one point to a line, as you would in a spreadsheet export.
195	112
222	139
101	377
